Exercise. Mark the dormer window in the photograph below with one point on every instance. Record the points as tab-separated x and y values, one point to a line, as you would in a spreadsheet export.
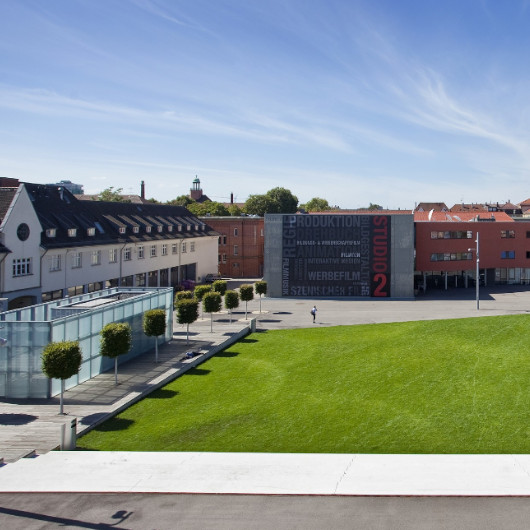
180	228
170	228
148	229
136	229
51	232
122	230
159	228
72	232
91	231
188	227
196	227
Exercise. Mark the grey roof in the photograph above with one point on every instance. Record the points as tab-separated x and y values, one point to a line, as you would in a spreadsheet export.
59	209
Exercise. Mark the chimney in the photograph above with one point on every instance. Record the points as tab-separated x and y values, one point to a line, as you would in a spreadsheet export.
231	198
142	190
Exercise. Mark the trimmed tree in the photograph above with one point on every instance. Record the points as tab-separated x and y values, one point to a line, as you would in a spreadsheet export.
231	302
220	286
181	295
246	293
155	325
260	288
187	313
211	304
200	291
61	360
116	340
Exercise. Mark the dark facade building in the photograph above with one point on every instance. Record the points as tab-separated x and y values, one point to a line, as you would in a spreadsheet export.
340	255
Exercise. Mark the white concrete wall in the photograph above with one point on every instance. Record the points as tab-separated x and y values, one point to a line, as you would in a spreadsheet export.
20	211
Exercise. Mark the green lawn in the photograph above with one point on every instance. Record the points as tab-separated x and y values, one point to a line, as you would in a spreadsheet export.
452	386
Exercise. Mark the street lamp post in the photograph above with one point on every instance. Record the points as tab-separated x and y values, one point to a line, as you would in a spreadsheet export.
477	273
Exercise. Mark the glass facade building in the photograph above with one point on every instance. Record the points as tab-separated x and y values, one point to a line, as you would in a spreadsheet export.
25	332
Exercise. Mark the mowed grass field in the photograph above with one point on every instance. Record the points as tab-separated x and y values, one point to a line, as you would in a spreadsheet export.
446	386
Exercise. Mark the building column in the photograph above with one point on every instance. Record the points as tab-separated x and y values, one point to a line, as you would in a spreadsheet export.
445	280
424	282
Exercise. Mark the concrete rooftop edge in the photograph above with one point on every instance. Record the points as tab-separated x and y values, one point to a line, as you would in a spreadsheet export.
270	474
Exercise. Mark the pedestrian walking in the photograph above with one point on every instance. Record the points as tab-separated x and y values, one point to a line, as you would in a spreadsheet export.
314	312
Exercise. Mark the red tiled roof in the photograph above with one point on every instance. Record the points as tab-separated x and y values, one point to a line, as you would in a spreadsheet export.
363	212
456	217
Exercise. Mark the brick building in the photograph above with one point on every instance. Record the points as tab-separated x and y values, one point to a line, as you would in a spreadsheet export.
446	249
241	245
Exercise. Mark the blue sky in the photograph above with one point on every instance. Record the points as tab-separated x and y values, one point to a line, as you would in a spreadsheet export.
386	101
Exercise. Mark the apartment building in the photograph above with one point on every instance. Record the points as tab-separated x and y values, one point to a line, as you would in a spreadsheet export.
53	245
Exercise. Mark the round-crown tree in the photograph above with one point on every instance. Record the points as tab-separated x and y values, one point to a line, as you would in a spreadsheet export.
211	304
187	313
261	289
220	286
246	293
155	325
61	360
231	301
180	295
200	291
116	340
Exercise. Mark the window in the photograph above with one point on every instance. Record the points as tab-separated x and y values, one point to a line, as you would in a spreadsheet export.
174	248
55	263
148	229
180	228
236	232
164	249
527	234
113	255
192	246
224	258
507	234
72	232
22	267
261	232
122	230
127	254
170	228
219	258
224	240
527	254
136	229
184	248
508	254
76	260
153	251
51	232
95	258
457	234
159	228
91	231
236	250
451	256
140	252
